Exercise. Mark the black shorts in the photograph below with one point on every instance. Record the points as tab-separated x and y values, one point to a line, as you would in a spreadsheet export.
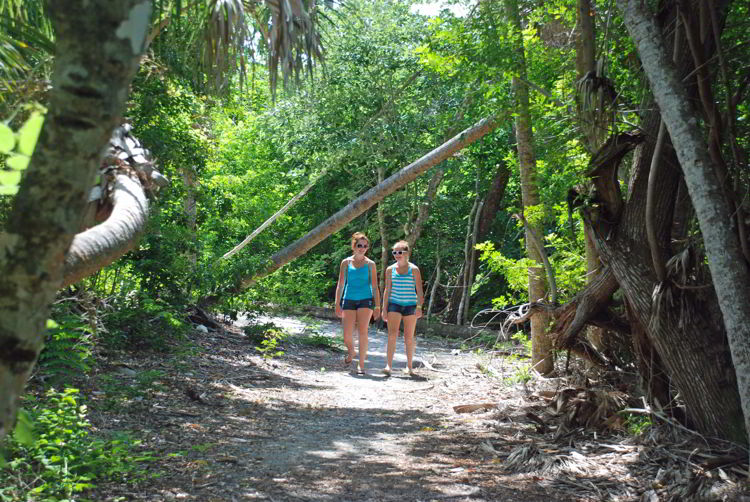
404	310
367	303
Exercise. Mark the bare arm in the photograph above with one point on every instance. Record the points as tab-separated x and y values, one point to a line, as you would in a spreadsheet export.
340	286
387	291
420	292
418	284
375	288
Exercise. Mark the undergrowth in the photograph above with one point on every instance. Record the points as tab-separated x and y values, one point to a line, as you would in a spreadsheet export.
51	455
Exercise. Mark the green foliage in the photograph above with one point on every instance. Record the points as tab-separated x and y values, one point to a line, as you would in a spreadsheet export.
524	340
521	374
62	459
16	149
515	272
636	425
318	340
67	349
269	346
119	392
267	338
142	322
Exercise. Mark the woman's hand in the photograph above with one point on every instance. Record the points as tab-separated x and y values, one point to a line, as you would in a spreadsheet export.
376	314
418	312
339	311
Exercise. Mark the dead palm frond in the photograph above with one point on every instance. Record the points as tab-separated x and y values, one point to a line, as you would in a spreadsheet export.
293	40
225	39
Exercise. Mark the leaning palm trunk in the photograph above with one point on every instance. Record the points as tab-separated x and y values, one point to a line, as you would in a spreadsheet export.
372	197
725	259
96	58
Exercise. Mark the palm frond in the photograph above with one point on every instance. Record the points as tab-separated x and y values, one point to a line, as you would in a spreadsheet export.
25	43
225	34
294	41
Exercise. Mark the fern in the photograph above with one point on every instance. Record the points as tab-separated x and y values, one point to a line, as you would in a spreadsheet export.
67	350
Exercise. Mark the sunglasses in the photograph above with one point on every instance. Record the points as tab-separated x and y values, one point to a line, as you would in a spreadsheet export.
363	245
399	252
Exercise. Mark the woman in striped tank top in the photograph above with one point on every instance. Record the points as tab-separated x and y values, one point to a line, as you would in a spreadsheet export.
403	298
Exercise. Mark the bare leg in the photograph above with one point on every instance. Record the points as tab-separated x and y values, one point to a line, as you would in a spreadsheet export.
394	323
410	326
363	323
348	324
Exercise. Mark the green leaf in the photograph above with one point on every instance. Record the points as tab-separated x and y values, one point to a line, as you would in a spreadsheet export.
7	139
18	162
4	190
29	133
24	431
10	178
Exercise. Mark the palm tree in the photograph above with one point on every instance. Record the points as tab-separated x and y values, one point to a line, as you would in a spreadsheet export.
93	68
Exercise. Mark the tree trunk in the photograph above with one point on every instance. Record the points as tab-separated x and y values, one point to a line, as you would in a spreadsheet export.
424	207
472	263
541	352
101	245
489	210
462	282
725	259
98	47
589	117
434	285
383	235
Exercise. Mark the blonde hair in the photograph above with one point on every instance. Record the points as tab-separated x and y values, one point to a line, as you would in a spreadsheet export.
402	244
357	236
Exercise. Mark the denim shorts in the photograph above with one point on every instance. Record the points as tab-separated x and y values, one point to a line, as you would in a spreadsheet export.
404	310
367	303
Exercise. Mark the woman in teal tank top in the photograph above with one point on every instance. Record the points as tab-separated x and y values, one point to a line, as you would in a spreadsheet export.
402	301
357	297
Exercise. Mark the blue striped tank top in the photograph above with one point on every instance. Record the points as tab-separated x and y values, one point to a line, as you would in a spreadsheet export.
403	288
358	283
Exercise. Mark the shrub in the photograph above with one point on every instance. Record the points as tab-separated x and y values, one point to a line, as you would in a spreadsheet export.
51	455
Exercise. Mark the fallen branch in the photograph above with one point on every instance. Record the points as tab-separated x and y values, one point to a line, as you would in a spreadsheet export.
273	218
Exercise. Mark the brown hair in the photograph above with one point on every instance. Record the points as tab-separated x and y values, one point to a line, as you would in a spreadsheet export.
357	236
402	244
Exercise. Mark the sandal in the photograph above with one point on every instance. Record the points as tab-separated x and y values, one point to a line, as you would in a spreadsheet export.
386	371
361	372
348	360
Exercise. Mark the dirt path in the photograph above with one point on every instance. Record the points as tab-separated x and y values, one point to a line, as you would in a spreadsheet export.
228	425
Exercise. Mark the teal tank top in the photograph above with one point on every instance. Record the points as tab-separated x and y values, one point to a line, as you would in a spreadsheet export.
358	283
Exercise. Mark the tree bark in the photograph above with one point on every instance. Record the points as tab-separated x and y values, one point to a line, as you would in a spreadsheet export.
462	282
383	235
98	47
424	207
725	259
101	245
489	210
541	348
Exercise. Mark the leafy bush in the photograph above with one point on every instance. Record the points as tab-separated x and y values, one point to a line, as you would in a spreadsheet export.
58	458
267	338
637	424
142	322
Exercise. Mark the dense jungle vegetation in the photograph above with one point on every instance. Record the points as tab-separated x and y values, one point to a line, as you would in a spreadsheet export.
608	197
